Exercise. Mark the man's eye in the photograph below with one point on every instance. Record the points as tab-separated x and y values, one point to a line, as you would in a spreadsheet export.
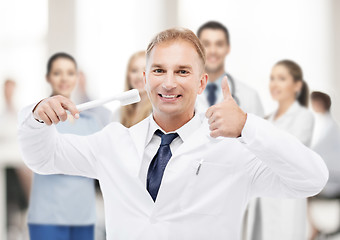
158	71
183	72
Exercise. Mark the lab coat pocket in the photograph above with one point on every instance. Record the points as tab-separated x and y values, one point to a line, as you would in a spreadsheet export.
207	188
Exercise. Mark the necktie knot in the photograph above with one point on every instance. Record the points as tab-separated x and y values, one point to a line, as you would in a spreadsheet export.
166	139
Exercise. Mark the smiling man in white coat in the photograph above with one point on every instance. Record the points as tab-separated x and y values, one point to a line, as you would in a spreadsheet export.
178	174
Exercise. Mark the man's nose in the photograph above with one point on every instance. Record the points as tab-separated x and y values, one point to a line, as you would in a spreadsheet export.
211	50
169	82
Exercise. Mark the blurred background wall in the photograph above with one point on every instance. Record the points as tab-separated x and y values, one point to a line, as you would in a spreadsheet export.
102	34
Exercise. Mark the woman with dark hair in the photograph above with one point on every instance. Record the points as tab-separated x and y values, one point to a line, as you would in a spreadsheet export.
290	91
62	206
286	219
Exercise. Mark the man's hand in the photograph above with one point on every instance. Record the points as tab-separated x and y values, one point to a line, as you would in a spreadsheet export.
226	119
53	110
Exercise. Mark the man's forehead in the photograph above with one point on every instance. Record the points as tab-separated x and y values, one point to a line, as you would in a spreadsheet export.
173	51
213	34
177	45
178	53
166	64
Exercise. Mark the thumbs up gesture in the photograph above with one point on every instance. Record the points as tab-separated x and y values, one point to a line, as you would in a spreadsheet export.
226	119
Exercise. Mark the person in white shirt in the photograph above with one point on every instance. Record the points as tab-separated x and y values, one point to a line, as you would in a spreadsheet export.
326	142
216	41
178	174
286	219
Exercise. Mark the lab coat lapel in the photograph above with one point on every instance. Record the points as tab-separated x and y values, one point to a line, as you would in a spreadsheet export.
198	138
138	134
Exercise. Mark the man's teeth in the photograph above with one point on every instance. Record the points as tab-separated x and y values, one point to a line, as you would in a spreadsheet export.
169	96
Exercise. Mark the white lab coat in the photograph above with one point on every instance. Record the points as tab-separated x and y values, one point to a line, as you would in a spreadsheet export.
326	142
248	99
286	219
207	205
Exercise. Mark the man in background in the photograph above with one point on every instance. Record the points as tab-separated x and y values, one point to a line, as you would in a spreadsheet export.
216	41
326	142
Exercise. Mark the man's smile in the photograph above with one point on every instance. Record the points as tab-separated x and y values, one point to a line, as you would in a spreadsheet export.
169	97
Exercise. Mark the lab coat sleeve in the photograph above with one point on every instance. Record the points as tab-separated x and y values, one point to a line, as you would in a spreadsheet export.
281	166
46	151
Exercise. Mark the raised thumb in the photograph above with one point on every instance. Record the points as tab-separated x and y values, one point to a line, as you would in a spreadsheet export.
225	88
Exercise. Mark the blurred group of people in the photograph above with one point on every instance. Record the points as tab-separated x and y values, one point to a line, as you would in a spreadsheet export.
63	207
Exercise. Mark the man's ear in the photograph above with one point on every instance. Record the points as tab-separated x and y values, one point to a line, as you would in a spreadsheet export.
203	83
144	77
47	79
144	80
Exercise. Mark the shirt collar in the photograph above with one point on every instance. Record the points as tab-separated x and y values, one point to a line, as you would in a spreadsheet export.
218	80
218	84
183	132
291	111
293	108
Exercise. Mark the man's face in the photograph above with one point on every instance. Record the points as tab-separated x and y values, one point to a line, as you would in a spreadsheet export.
216	47
173	78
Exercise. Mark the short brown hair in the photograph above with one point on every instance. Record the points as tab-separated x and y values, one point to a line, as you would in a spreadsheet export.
174	34
215	26
323	98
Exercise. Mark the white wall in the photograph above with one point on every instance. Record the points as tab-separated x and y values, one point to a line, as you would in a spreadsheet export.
103	34
108	33
336	59
23	31
265	31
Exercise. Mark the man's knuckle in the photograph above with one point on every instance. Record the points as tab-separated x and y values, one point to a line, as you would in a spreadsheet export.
63	113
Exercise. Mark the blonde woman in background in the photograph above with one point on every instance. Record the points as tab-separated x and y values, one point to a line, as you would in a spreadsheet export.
286	219
131	114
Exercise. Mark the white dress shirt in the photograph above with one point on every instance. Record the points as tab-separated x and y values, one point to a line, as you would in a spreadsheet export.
153	142
205	187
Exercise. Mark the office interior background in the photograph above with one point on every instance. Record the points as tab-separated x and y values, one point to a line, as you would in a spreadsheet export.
103	34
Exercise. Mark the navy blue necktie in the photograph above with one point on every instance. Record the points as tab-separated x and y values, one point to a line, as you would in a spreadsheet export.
158	163
212	88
